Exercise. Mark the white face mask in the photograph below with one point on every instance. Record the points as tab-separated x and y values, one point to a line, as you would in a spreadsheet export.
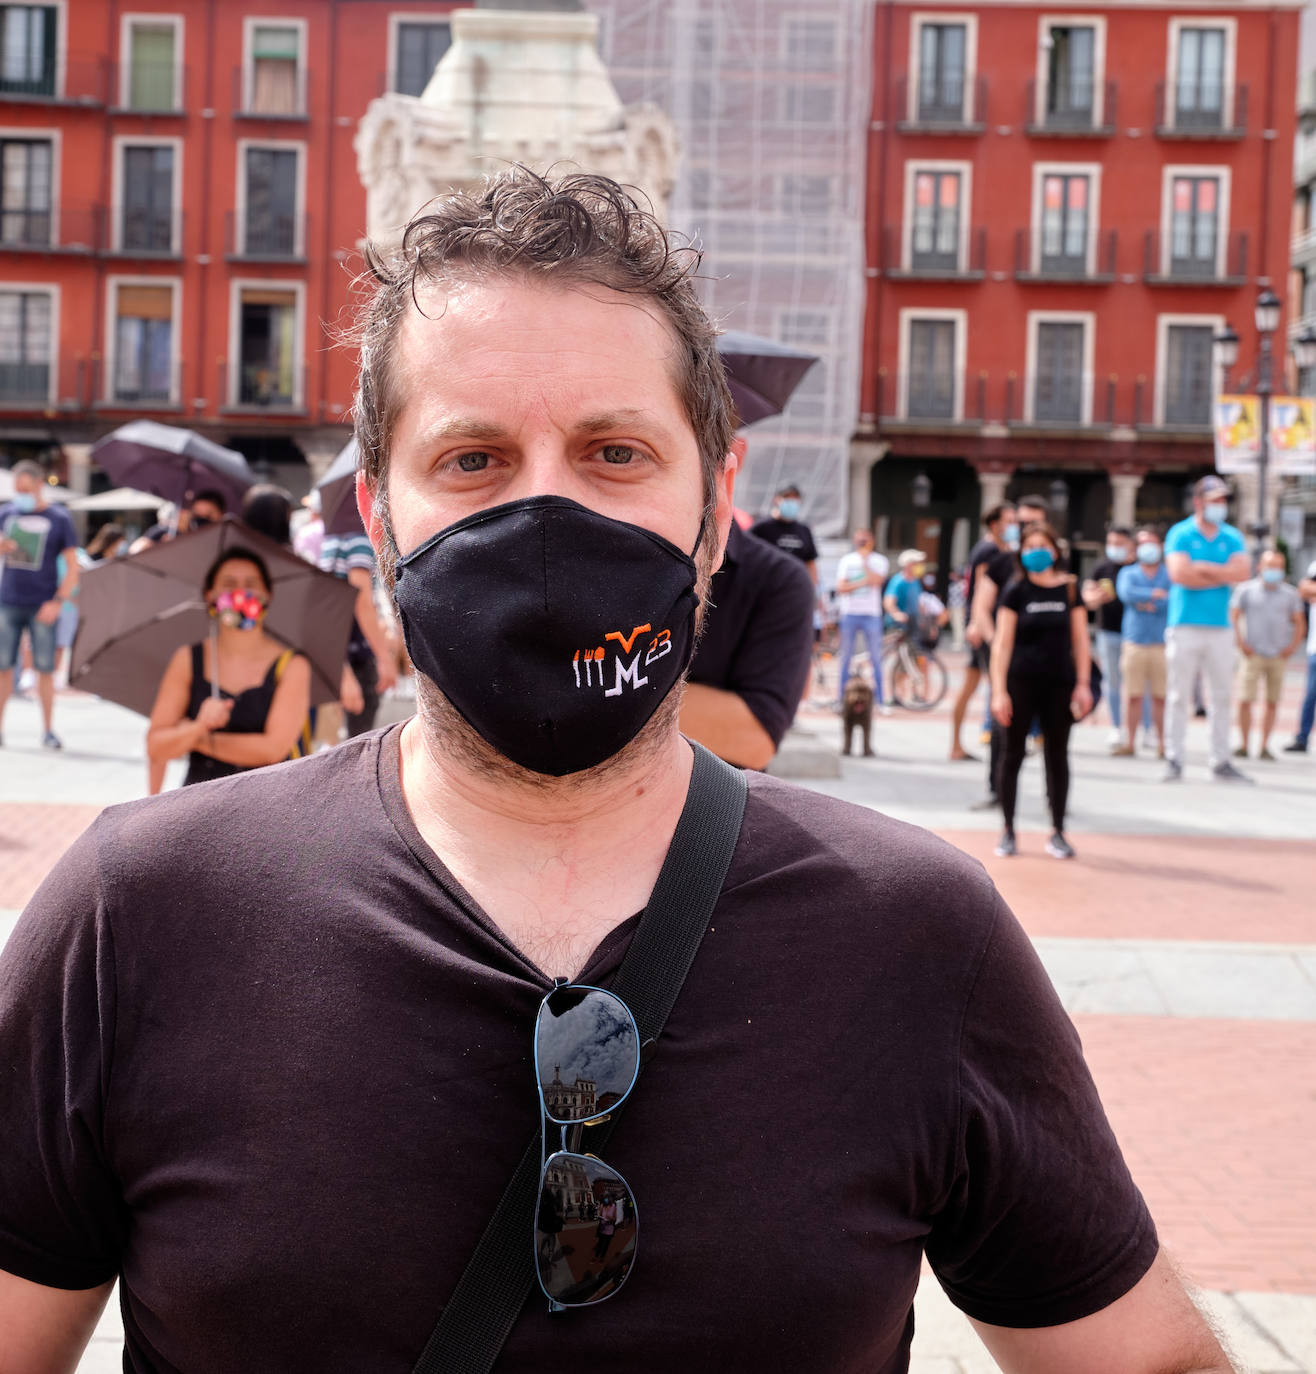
1215	512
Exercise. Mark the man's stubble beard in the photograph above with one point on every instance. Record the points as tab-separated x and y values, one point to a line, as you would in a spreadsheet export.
450	738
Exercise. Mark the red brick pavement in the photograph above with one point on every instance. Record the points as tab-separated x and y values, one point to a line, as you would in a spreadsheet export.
1157	887
1217	1120
32	836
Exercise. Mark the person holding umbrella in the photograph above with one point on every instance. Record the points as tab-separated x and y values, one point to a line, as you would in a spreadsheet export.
239	700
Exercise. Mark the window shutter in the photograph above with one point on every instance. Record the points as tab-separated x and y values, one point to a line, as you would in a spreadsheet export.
146	302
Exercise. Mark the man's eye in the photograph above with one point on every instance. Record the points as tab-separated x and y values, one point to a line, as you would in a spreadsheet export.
617	453
473	462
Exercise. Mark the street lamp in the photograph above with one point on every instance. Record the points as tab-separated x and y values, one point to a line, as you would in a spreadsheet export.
920	490
1266	315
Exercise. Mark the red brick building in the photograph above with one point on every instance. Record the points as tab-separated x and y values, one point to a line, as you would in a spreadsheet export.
179	209
1064	205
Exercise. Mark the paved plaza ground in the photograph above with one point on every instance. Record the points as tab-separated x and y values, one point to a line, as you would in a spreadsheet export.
1182	941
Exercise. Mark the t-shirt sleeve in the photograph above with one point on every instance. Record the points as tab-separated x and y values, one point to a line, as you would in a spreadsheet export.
65	532
1042	1223
880	564
61	1215
771	663
1176	539
1237	543
1124	585
1012	595
809	550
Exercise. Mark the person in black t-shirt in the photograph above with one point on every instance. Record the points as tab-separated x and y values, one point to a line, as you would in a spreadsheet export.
1099	597
1002	533
784	529
1040	670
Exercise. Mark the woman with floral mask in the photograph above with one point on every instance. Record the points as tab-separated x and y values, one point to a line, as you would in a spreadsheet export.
1041	664
239	700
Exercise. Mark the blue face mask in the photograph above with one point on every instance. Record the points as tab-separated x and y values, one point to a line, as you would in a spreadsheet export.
1117	553
1215	512
1272	575
1149	553
789	508
25	503
1037	560
1011	536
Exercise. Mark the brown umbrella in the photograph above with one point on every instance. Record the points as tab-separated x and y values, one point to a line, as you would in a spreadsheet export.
136	611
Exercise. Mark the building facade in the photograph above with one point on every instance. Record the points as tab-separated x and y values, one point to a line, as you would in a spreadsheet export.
180	214
1064	206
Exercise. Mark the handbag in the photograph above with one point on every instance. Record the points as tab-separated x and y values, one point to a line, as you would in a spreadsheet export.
500	1275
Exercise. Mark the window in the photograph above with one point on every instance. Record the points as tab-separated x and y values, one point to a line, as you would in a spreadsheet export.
1194	226
931	393
27	49
802	194
25	189
808	104
1189	374
1199	84
143	344
941	73
25	339
148	199
809	45
805	328
152	68
935	232
419	46
1071	76
270	229
267	347
1065	223
1058	372
274	85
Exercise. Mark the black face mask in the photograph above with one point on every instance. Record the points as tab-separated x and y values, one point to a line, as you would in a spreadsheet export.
555	631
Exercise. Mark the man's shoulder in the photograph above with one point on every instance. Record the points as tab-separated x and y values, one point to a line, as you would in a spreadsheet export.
769	565
856	858
1180	532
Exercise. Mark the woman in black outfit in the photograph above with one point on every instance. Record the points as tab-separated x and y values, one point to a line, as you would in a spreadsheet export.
258	715
1041	661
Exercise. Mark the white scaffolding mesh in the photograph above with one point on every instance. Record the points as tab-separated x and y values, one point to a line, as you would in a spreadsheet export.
772	102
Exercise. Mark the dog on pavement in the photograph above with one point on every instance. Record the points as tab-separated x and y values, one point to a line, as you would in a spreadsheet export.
857	714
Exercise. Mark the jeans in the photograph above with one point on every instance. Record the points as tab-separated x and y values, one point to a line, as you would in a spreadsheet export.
1308	716
1109	645
1190	650
13	621
870	626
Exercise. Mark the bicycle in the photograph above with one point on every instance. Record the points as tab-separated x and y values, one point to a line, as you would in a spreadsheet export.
916	677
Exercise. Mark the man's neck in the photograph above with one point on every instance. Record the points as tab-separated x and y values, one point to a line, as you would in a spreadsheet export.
555	864
1206	526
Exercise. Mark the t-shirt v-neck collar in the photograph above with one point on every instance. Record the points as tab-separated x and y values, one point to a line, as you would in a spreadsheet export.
603	960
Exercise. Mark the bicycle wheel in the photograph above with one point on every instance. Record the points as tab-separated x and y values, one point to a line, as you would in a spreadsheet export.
918	679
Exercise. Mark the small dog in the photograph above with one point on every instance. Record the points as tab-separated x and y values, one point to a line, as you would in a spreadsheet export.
857	714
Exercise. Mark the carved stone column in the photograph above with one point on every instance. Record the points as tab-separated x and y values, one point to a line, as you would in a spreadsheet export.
1124	487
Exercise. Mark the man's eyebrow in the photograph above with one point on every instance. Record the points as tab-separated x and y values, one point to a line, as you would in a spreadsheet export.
608	420
461	428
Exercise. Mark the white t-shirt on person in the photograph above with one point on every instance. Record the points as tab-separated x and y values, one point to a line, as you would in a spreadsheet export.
1311	615
867	600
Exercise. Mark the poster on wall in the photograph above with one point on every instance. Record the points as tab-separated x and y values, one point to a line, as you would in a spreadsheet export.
1237	433
1293	436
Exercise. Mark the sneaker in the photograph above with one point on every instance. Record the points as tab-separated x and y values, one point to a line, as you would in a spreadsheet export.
1265	755
50	740
1298	746
1122	751
1241	752
883	709
1173	772
1226	772
1114	740
1005	846
985	804
1059	848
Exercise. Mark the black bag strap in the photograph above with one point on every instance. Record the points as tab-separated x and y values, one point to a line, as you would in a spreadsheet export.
500	1275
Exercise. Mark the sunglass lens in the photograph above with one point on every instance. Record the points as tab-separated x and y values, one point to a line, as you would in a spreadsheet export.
585	1230
587	1051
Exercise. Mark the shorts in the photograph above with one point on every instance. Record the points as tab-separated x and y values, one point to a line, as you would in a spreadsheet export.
1254	669
982	658
13	621
1143	669
66	627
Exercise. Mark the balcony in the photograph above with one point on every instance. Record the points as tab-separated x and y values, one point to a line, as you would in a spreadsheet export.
85	82
1040	257
963	116
1080	116
1012	402
1168	261
44	387
1303	249
149	88
1201	113
258	388
143	233
266	238
256	99
67	229
963	265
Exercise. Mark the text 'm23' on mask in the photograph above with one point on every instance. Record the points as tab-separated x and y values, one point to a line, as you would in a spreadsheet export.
555	631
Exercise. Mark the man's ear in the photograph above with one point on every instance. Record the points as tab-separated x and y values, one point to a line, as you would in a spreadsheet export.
725	508
365	504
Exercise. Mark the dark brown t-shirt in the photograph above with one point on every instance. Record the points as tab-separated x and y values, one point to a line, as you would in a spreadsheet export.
261	1056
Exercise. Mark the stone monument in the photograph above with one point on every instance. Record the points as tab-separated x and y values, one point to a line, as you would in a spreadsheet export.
522	82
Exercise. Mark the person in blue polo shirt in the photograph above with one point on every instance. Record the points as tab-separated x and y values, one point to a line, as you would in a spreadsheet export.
1205	557
1143	588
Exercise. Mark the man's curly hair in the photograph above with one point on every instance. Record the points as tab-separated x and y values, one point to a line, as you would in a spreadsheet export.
580	229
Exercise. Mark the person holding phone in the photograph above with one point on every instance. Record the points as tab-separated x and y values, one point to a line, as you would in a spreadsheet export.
1041	666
